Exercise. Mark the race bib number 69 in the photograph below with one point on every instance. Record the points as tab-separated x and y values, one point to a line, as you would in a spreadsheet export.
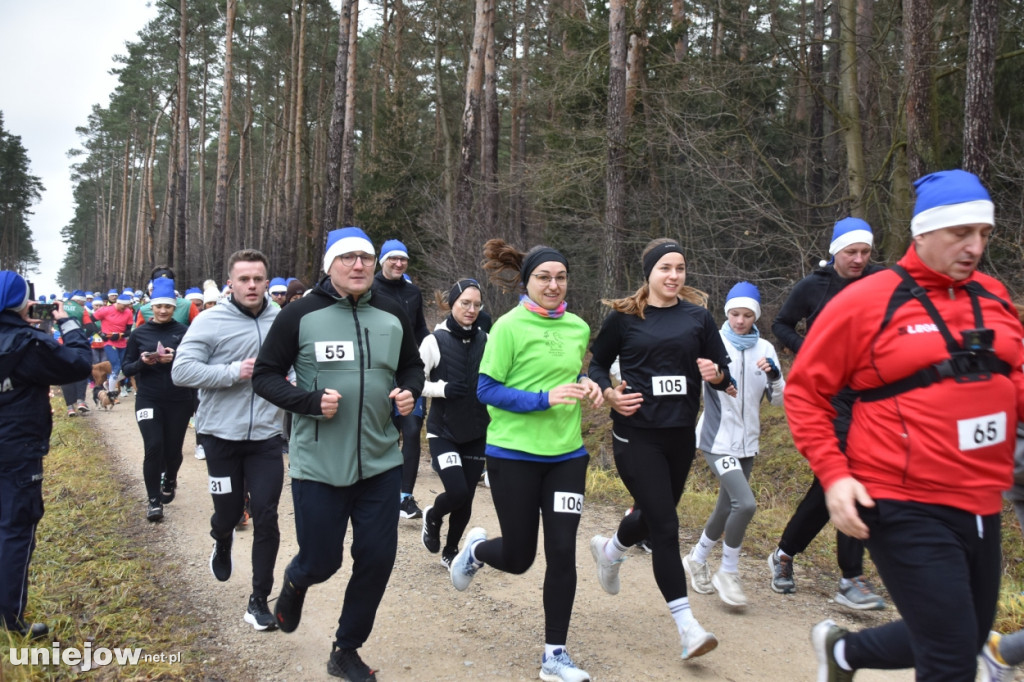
981	432
334	351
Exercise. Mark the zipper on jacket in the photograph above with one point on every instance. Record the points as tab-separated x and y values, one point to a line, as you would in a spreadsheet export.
316	422
366	333
362	388
252	393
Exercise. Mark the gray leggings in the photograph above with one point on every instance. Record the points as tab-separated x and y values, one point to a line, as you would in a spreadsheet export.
736	504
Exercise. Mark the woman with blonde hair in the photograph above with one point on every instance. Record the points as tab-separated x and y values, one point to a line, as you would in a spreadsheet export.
530	380
668	345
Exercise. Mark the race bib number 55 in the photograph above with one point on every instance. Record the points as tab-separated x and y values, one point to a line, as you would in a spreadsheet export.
980	432
334	351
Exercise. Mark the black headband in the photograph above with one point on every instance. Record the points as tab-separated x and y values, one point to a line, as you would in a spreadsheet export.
459	287
535	258
656	254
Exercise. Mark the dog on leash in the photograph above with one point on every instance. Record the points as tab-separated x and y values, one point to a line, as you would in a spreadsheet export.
101	397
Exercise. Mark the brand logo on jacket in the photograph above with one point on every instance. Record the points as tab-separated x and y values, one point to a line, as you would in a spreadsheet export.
919	329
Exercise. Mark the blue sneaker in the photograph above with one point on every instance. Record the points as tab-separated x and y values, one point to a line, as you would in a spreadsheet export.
560	668
464	567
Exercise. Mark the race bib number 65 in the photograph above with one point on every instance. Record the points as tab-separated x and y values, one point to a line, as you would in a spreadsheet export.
980	432
334	351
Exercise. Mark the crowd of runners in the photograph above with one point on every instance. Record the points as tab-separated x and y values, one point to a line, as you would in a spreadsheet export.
903	396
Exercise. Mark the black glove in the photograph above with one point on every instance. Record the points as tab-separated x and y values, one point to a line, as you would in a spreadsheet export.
773	373
455	389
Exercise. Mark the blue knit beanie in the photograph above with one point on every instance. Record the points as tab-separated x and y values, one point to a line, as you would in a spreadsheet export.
393	247
744	295
13	291
950	198
345	240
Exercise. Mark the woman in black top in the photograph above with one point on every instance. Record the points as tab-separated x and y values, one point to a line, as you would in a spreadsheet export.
667	344
457	421
162	409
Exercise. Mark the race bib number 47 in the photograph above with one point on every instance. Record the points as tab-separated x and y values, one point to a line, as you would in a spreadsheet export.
980	432
334	351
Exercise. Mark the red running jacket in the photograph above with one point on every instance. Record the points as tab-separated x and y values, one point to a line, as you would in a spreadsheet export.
948	443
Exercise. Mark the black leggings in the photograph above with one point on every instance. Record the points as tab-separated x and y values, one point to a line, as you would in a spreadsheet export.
256	467
163	426
409	426
654	464
522	492
460	466
809	517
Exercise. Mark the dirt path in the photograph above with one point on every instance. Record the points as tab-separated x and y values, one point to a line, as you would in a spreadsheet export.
426	630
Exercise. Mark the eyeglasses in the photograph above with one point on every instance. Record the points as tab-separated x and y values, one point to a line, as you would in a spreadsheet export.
466	305
349	259
397	259
545	280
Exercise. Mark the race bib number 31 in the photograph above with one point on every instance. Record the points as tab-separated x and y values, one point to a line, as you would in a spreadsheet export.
568	503
220	485
673	385
980	432
334	351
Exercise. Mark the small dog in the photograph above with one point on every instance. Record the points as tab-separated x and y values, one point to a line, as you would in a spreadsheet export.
101	397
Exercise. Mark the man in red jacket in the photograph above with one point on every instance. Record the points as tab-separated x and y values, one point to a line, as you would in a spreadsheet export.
934	349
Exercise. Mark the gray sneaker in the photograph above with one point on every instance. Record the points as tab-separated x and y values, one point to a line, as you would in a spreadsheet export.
859	595
782	573
824	636
560	668
700	574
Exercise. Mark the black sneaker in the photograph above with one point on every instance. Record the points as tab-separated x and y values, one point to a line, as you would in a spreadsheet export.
448	555
345	663
288	609
258	615
409	509
167	489
154	510
431	532
30	630
221	563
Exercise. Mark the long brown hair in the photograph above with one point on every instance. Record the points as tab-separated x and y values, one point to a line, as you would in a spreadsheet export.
636	303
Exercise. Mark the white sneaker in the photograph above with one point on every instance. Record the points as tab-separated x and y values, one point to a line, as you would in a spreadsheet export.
607	570
200	452
560	668
700	574
464	567
697	641
729	589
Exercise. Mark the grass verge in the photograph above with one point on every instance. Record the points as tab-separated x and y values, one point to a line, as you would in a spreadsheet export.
92	576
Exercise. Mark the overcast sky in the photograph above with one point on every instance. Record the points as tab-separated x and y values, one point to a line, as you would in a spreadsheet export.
55	62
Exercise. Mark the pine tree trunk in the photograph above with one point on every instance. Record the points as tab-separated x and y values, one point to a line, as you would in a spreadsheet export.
181	208
615	178
981	67
348	156
471	113
220	200
336	134
850	107
917	52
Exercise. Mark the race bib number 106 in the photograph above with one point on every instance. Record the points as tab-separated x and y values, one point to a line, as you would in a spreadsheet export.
568	503
980	432
334	351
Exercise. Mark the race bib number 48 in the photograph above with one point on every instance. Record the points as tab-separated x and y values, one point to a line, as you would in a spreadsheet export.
981	432
334	351
672	385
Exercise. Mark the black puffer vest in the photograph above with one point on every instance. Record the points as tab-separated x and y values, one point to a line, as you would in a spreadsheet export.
460	363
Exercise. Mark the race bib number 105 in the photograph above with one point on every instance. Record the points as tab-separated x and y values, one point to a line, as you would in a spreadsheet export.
674	385
334	351
980	432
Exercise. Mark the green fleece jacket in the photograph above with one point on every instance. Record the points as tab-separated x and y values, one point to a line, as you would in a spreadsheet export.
362	349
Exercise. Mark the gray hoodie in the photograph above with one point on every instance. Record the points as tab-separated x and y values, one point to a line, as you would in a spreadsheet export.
210	359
